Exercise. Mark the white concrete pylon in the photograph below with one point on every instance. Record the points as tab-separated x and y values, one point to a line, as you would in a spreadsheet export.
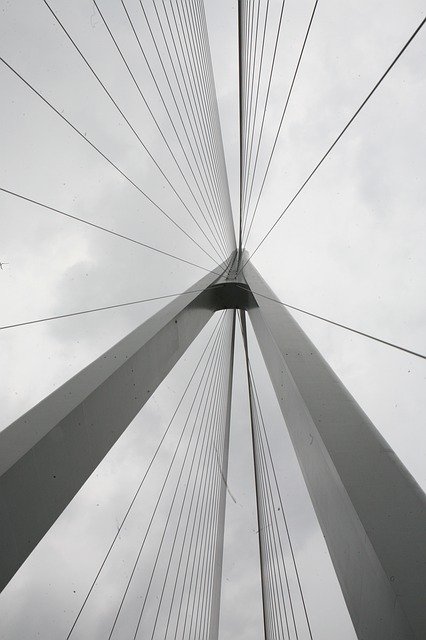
371	511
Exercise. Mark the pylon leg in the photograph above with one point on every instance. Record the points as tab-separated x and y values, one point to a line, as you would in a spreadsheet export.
48	453
371	511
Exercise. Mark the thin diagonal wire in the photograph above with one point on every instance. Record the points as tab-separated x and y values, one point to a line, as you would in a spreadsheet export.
281	120
208	579
204	378
201	496
105	229
272	615
178	84
342	326
195	563
247	70
241	123
201	464
258	83
197	95
274	532
111	306
178	108
265	524
187	41
244	17
182	173
265	435
200	72
265	107
246	90
193	93
266	102
205	582
116	167
190	101
252	72
135	495
192	119
203	590
193	457
192	547
274	621
211	106
202	25
160	93
214	529
199	574
132	128
220	445
256	478
317	166
199	600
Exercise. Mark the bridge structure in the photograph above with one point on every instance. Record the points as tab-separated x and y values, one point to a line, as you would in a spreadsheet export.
370	509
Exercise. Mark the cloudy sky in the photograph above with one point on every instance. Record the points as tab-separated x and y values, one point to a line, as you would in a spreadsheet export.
351	248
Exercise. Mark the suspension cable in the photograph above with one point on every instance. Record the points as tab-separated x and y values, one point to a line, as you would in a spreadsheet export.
178	108
105	229
211	385
214	333
250	80
204	380
160	93
258	82
111	162
193	118
256	478
342	326
283	513
202	28
265	107
317	166
132	128
197	96
268	164
201	49
199	71
201	469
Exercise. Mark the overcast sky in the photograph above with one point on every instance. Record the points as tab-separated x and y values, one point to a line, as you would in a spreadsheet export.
351	248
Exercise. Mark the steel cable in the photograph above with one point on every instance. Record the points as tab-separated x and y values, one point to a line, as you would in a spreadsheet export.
211	384
116	167
105	229
258	83
202	26
194	82
135	495
132	128
192	117
317	166
283	513
342	326
207	372
200	72
160	93
201	464
262	124
178	109
268	164
204	62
